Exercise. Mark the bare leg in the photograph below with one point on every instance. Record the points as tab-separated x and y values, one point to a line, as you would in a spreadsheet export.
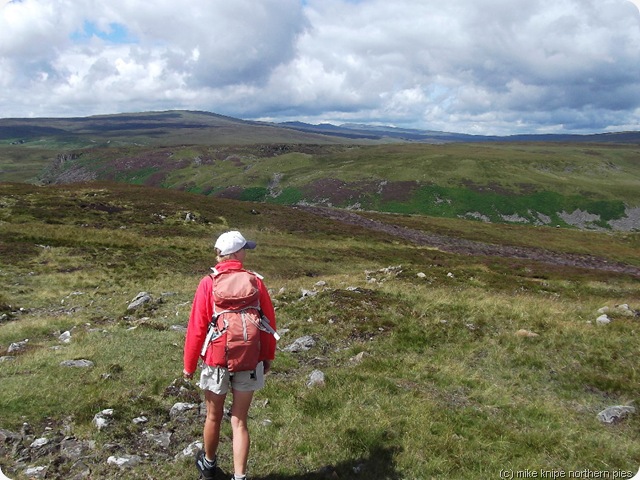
241	440
211	433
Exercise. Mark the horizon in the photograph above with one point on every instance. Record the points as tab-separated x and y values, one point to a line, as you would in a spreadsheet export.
345	125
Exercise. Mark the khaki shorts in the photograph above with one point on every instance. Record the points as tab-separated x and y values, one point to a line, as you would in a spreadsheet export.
219	379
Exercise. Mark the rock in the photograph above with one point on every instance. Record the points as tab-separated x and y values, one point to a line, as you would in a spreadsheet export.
39	442
140	420
421	275
190	450
321	283
624	309
604	309
36	472
316	379
180	407
124	461
358	358
163	438
73	449
526	333
302	344
7	358
603	320
83	363
101	419
141	299
65	337
615	414
18	346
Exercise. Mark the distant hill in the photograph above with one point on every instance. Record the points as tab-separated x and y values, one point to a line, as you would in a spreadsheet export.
362	131
590	181
205	128
151	129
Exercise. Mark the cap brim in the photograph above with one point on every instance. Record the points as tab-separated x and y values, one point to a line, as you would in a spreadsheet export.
250	245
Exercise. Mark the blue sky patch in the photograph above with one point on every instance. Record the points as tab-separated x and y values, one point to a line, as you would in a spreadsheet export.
116	33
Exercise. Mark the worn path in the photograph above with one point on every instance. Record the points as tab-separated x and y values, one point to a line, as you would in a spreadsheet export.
470	247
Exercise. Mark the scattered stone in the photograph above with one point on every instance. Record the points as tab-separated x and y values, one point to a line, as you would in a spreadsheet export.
36	472
615	414
604	309
421	275
124	461
624	309
180	407
603	320
356	360
190	450
163	438
141	299
18	346
73	449
83	363
526	333
308	293
39	442
7	358
178	328
321	283
302	344
102	419
316	379
139	420
65	337
450	275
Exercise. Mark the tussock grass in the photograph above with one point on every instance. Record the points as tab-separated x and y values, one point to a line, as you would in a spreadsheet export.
444	387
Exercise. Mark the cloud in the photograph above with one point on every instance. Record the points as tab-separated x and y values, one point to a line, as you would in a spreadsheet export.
477	66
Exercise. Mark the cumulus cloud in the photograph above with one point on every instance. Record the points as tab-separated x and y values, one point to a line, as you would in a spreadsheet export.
476	66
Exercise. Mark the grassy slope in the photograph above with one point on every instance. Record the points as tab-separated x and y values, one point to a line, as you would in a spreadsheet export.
445	389
207	153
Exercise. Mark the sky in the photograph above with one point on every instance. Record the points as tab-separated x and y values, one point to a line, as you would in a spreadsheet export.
490	67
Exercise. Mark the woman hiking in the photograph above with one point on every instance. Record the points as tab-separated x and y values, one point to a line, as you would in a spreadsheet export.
229	299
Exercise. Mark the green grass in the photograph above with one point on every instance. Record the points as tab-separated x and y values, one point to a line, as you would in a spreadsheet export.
444	389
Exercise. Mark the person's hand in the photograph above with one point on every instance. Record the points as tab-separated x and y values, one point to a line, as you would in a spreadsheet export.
267	365
187	375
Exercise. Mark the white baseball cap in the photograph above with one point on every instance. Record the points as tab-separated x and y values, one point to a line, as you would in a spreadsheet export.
231	242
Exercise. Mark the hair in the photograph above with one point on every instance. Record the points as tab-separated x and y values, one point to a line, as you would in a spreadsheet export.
222	258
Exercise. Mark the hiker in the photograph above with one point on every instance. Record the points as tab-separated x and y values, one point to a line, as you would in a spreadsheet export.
210	344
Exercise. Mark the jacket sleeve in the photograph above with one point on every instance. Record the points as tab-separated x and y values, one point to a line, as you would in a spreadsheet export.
201	312
268	342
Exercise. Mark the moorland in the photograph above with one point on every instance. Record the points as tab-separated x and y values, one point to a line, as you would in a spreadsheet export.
451	347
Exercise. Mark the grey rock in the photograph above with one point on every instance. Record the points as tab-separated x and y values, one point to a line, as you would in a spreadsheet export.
83	363
18	346
180	407
316	379
615	414
302	344
141	299
124	460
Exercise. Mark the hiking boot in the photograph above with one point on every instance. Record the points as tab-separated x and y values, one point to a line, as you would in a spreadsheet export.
206	472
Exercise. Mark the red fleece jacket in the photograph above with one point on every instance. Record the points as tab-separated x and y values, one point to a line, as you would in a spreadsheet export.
201	313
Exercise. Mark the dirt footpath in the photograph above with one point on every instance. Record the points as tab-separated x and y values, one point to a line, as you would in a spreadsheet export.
470	247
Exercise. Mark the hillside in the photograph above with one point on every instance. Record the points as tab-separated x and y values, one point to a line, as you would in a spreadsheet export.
489	361
588	182
592	186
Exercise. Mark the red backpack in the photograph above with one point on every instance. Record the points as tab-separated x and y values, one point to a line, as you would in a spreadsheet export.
237	315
